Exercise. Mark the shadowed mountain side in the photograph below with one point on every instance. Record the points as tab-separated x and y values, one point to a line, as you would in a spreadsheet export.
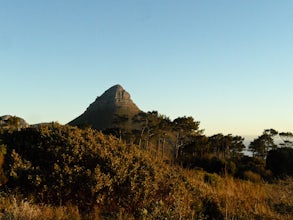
114	107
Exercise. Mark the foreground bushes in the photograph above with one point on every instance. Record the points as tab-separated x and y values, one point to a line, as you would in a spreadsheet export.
280	161
83	174
62	165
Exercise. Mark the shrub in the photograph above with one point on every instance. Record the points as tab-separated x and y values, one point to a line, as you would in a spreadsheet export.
211	209
284	208
253	177
253	164
212	179
62	165
280	161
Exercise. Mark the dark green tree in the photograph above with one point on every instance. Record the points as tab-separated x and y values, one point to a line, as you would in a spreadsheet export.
262	144
220	144
197	148
226	146
185	128
121	128
236	150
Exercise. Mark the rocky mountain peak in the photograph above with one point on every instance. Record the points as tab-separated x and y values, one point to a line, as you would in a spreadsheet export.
114	97
103	112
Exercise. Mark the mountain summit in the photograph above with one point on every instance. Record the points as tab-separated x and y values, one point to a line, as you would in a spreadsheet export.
112	107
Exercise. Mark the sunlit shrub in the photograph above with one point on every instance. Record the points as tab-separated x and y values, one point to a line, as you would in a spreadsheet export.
62	165
83	174
212	179
253	177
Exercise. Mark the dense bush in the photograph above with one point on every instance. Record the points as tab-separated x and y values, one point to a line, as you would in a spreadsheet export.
210	164
60	165
252	168
251	176
84	174
51	163
280	161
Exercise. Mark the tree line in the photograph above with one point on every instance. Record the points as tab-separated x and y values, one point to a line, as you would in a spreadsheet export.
60	164
181	141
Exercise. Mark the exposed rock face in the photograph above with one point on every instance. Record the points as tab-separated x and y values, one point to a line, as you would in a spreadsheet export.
9	121
113	107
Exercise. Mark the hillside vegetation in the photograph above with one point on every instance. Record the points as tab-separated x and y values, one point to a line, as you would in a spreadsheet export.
62	172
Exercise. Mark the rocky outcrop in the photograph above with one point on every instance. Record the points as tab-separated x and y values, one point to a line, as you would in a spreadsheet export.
9	121
113	98
114	108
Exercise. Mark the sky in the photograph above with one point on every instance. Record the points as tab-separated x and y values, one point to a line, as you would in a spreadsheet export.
227	63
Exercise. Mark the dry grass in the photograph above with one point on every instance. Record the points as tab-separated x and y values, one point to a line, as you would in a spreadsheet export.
17	209
240	199
236	199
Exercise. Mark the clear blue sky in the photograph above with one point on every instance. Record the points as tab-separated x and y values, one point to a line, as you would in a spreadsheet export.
229	64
